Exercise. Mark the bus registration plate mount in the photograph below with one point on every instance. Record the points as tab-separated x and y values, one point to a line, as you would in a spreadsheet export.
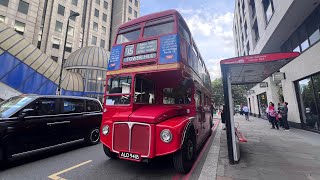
130	156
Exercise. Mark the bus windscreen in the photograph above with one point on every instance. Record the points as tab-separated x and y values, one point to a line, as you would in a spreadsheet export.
159	27
129	34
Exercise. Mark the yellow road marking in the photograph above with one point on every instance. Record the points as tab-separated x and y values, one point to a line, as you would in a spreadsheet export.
55	176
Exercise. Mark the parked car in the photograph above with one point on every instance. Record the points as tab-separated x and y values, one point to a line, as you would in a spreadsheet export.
31	122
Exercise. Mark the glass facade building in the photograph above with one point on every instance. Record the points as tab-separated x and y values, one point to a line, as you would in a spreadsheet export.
91	64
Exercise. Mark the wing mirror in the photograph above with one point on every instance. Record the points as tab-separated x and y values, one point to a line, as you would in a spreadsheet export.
26	112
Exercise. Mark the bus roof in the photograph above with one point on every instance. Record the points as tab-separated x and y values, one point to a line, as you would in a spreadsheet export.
148	17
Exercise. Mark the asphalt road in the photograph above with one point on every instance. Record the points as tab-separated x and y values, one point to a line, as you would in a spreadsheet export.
77	161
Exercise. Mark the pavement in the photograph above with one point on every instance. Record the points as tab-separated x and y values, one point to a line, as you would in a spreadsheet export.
268	154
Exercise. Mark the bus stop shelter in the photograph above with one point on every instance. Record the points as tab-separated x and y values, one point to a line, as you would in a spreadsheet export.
243	70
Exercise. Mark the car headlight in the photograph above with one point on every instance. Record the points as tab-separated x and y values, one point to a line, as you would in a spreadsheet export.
105	130
166	135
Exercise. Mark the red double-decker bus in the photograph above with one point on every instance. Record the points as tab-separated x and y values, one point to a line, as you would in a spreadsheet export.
157	99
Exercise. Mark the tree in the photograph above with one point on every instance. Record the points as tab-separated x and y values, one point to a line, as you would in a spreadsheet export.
217	88
238	93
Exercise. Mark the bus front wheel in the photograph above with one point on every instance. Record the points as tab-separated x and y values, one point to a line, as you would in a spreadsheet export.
184	158
110	154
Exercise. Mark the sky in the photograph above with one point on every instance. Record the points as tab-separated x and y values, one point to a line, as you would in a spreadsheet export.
210	22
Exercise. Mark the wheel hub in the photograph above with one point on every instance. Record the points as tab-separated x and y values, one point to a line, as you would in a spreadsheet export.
95	135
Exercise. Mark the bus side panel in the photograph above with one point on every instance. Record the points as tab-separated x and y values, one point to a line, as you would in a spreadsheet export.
177	126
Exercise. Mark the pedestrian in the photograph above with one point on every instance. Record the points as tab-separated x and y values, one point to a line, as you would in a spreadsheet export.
212	109
272	115
279	116
223	118
284	113
245	110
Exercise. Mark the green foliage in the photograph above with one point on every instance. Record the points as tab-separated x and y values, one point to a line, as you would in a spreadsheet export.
217	88
238	93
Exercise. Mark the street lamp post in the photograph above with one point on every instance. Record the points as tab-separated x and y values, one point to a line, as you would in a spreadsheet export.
64	47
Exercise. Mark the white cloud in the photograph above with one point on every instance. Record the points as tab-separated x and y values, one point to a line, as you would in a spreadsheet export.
213	35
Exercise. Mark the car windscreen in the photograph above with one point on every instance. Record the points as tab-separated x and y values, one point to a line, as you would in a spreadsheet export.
14	104
128	34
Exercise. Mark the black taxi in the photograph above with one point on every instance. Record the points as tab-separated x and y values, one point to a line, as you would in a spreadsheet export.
34	122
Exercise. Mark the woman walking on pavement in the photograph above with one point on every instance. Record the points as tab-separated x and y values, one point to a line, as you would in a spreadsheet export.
272	115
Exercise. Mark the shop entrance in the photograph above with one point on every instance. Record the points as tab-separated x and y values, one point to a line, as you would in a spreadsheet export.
251	69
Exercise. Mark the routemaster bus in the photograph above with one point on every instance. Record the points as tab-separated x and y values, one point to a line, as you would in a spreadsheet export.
157	98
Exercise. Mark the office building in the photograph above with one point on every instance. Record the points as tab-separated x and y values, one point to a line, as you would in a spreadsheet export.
43	22
268	26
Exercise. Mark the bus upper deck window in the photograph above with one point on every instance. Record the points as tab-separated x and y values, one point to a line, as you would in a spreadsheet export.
129	34
159	27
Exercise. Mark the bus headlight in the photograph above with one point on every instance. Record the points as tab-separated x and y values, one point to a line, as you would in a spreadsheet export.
166	135
105	130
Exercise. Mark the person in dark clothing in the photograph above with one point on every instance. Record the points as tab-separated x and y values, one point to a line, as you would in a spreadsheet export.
212	109
223	118
284	113
280	116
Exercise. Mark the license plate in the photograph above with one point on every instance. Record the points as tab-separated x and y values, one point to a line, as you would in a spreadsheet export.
130	156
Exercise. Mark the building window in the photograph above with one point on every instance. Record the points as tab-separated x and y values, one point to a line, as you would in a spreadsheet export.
70	31
19	27
104	17
75	2
253	7
98	2
61	10
130	10
95	26
55	58
73	18
105	4
94	40
309	101
2	18
102	43
104	29
130	1
56	43
96	13
59	26
245	29
136	3
243	9
268	9
68	47
4	2
23	7
256	31
135	14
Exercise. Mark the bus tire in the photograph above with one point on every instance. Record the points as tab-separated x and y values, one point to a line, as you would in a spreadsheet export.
184	158
110	154
93	137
